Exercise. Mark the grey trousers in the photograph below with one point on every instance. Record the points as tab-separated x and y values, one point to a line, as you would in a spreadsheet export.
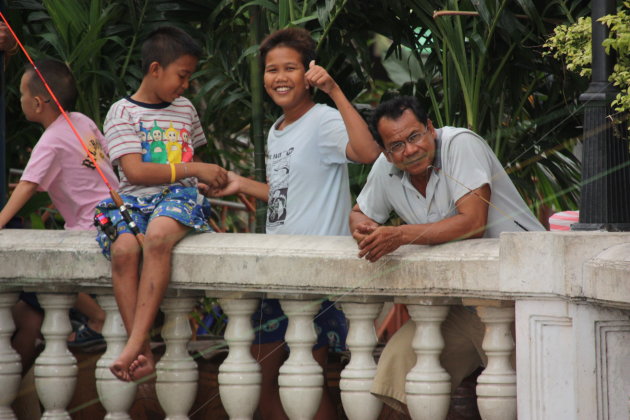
463	333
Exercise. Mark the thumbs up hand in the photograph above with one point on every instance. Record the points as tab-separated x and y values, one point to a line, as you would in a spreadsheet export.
318	77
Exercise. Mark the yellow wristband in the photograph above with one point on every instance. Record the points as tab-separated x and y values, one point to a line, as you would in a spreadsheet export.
172	173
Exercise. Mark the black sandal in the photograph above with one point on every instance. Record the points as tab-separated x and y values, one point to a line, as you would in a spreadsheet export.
86	338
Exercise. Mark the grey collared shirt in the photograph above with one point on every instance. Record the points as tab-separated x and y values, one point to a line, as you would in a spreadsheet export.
464	162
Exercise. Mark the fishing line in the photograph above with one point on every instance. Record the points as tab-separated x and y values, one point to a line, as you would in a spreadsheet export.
124	211
337	298
119	202
380	270
379	267
488	202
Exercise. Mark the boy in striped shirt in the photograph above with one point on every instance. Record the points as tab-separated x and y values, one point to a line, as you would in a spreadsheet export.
152	136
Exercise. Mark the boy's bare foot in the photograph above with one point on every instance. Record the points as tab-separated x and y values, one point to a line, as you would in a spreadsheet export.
119	369
121	366
141	367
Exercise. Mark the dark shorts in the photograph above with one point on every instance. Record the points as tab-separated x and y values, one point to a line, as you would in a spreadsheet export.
183	204
270	325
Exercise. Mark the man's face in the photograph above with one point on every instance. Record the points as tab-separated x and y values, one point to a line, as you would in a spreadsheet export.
409	144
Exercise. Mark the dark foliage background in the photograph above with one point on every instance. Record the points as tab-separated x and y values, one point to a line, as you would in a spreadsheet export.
484	70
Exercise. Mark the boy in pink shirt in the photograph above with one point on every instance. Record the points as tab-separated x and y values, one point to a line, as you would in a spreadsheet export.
59	165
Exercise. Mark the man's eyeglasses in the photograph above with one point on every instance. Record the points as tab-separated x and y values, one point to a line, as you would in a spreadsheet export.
399	146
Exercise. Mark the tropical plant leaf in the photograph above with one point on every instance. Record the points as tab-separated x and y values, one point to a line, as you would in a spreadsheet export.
486	72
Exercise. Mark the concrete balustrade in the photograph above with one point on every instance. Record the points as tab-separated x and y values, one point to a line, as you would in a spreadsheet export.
496	389
10	366
56	368
356	378
177	373
116	396
300	378
567	294
239	374
428	385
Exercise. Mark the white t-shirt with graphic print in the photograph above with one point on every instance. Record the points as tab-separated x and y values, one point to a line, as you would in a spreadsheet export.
309	190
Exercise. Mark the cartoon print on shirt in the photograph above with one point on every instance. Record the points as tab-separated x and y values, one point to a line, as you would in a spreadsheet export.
143	134
173	147
158	148
174	151
170	134
187	151
280	164
156	133
94	146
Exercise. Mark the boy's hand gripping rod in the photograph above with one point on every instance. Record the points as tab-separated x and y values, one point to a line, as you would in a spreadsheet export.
113	194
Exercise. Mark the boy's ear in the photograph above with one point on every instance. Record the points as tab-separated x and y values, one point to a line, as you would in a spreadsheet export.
39	103
154	68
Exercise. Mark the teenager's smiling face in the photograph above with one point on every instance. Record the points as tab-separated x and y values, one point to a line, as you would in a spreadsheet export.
284	78
174	79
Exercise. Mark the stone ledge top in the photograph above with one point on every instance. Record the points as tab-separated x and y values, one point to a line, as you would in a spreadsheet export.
277	264
607	276
590	266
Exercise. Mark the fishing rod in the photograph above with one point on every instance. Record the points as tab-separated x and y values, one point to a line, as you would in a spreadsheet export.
100	220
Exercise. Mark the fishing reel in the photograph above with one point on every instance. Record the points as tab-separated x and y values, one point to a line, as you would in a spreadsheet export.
105	225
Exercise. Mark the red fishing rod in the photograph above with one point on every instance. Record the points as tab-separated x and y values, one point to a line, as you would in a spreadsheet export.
124	211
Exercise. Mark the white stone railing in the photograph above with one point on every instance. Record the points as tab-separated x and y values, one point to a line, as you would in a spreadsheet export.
567	292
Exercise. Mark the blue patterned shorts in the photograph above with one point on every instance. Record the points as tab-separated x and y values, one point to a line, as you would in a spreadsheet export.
270	325
183	204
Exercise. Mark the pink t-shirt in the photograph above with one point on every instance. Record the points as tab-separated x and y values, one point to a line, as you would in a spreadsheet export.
60	165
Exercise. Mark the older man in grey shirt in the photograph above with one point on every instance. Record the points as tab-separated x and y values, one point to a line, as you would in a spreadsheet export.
446	184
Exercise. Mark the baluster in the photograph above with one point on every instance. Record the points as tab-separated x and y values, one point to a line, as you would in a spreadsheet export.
496	386
177	371
300	378
239	374
116	396
357	376
428	385
56	368
10	366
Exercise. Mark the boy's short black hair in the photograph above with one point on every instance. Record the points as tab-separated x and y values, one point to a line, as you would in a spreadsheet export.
59	78
165	45
393	109
298	39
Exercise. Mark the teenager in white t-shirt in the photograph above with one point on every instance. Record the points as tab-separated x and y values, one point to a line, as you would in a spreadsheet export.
308	190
